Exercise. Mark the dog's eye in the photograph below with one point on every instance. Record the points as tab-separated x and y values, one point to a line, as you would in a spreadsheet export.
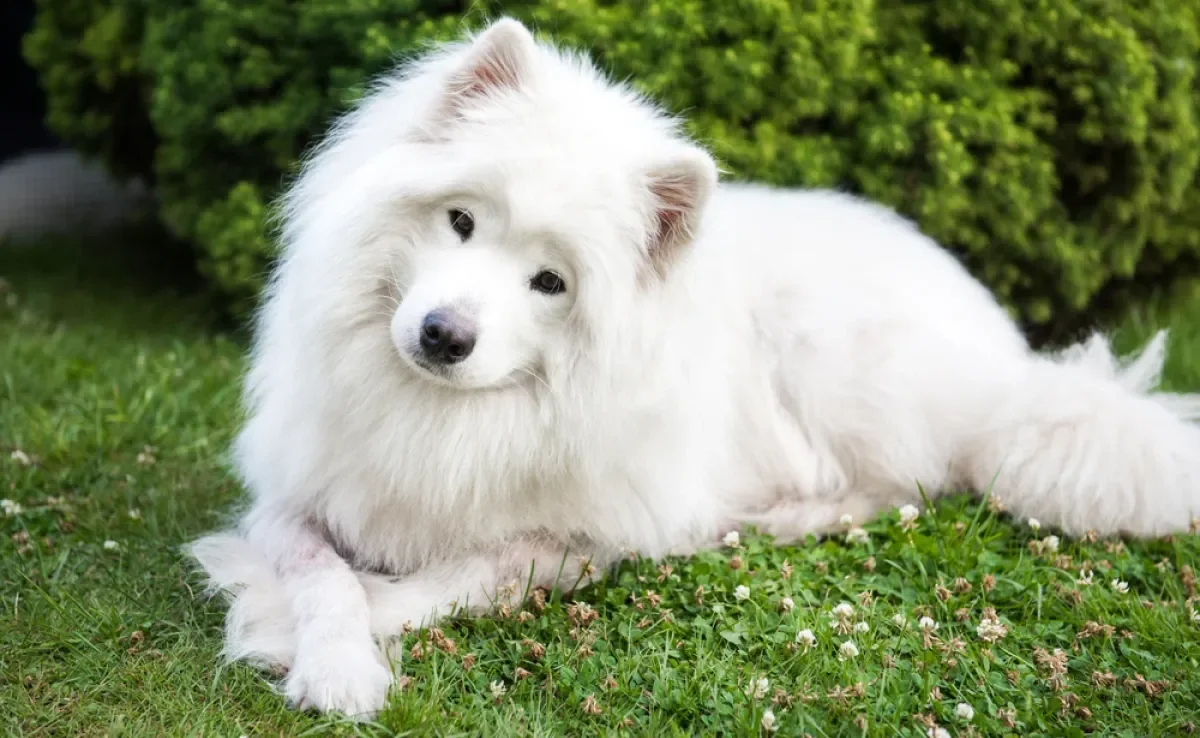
547	282
462	223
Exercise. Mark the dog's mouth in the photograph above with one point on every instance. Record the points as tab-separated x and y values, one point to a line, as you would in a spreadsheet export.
450	377
446	376
457	376
441	375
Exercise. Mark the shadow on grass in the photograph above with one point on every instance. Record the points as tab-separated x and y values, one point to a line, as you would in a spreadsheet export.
133	278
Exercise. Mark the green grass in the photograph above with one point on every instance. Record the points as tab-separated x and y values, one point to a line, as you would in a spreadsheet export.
123	397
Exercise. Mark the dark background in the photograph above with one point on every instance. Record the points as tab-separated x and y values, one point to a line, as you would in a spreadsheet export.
22	106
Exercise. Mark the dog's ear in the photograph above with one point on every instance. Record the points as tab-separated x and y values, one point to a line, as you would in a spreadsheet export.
679	187
498	60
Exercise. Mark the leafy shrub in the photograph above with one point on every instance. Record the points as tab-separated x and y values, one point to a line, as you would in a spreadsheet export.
86	54
1053	144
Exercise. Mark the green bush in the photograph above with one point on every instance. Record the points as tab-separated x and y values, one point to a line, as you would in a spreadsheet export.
87	57
1053	144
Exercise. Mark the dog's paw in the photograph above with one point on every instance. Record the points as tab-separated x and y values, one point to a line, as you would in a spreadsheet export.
339	675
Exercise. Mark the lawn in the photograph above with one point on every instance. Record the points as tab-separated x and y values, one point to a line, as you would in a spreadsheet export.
120	395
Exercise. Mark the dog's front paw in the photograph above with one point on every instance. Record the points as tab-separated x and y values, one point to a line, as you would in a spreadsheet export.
343	675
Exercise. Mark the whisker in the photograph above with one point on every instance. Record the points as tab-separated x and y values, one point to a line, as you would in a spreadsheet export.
545	384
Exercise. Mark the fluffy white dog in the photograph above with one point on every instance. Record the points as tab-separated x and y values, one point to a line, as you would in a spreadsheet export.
518	323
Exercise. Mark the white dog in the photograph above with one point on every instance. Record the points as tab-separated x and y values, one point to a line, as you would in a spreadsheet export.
518	323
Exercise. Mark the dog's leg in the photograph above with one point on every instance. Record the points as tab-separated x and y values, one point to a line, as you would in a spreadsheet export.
790	520
475	584
337	665
260	627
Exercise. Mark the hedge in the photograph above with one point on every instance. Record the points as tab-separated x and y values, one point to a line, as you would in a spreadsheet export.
1053	144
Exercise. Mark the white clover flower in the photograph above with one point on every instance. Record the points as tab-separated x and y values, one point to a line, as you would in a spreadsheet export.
991	630
927	624
1085	578
111	545
1035	525
134	514
787	604
806	638
498	689
938	733
758	688
909	513
742	593
768	721
858	535
11	508
1196	616
900	620
1050	543
1120	586
861	627
21	457
965	712
843	610
847	651
847	520
732	539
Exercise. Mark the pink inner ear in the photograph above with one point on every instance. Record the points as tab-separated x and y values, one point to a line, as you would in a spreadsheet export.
495	71
675	198
670	223
499	60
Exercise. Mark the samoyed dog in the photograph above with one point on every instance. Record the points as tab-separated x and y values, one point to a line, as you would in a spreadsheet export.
519	325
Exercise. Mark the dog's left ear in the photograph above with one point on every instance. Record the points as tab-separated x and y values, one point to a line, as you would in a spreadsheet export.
679	188
498	60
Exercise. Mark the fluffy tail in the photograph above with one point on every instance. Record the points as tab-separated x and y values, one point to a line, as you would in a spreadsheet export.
1085	442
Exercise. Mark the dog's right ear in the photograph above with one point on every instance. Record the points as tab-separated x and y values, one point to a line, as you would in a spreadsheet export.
499	60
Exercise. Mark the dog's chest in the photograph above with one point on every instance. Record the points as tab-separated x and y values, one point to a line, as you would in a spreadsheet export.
437	479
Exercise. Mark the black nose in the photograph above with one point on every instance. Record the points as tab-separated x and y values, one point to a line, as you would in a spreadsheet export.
446	338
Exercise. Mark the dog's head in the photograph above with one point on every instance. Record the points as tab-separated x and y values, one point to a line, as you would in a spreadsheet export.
530	201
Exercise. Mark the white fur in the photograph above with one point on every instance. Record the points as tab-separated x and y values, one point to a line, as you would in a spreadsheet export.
723	355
